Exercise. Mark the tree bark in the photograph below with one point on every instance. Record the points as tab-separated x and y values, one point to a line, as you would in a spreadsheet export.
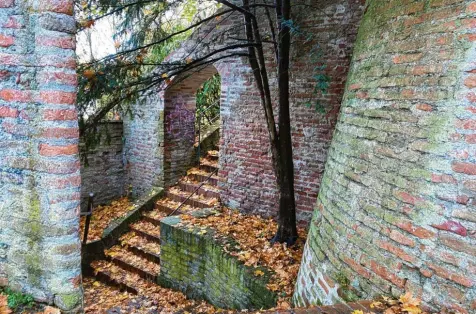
287	229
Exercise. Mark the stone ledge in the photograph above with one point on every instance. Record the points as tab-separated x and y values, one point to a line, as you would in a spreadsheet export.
196	264
95	250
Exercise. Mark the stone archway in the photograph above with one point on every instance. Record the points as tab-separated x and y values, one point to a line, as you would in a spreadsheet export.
179	124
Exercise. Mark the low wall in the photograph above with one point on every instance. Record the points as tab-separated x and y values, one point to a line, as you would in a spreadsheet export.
196	264
103	172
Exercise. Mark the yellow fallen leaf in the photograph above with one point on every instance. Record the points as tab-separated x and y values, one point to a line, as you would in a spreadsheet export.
258	272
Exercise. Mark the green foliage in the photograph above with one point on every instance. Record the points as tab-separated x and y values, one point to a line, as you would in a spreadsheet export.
321	80
17	300
142	32
208	100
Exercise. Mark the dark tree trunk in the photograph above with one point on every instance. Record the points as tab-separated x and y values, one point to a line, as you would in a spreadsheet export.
287	230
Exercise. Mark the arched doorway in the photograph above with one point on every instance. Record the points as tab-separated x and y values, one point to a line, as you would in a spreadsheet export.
181	149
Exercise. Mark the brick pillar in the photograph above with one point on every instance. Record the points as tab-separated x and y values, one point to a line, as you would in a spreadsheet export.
39	164
396	209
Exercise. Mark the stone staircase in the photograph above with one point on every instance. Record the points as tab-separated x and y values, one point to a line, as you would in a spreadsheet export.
133	264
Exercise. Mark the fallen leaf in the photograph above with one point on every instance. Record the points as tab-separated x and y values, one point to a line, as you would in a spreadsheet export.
258	272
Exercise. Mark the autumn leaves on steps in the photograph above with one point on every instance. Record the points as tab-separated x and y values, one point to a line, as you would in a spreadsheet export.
134	264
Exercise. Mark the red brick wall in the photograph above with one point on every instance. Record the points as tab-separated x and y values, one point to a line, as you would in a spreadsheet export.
244	157
39	164
397	203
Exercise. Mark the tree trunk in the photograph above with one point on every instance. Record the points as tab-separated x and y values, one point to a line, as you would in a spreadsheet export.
287	230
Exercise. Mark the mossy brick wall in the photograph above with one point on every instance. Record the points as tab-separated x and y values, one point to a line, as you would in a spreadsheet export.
397	207
197	265
102	168
245	161
39	164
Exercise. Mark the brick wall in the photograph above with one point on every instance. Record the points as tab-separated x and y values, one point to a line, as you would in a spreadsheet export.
245	161
102	171
39	164
396	210
144	145
196	264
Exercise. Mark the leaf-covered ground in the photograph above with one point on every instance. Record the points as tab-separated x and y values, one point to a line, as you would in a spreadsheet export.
103	216
253	233
406	304
101	298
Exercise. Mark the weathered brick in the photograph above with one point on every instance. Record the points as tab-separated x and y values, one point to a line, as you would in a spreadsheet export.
60	114
52	150
6	41
60	133
12	95
58	77
471	8
7	112
407	58
58	97
60	42
401	238
464	167
452	226
6	3
447	274
470	81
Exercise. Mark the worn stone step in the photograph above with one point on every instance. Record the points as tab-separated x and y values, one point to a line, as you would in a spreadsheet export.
168	206
142	246
131	262
213	156
204	178
150	256
147	230
192	202
191	187
157	214
208	168
110	273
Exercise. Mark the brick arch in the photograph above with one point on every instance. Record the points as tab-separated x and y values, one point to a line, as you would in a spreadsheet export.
179	101
245	162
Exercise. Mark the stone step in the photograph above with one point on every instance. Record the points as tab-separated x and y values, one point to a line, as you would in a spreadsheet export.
213	156
208	168
191	187
169	209
150	256
142	246
147	230
154	216
131	262
192	202
204	178
111	274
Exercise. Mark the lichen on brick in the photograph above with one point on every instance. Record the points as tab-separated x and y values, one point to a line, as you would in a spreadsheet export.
197	264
